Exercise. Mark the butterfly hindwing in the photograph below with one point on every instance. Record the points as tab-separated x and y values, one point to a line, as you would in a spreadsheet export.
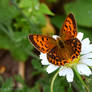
60	56
76	48
42	43
55	56
69	28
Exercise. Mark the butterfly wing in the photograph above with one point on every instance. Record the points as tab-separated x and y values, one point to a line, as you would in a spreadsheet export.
60	56
69	28
56	56
76	48
42	43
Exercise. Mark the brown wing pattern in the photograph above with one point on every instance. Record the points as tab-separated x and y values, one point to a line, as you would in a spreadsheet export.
69	28
76	48
42	43
60	56
55	58
57	54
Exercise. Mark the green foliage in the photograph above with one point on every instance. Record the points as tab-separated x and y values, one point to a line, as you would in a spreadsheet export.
77	84
18	20
7	11
89	82
82	10
35	11
87	32
7	86
51	1
16	24
37	65
58	21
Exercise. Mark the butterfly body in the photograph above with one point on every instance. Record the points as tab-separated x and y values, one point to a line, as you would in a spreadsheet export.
63	49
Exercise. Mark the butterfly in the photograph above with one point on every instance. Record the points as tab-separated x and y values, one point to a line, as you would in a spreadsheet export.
63	49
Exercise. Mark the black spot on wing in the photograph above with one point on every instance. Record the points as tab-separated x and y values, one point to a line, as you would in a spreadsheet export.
41	43
68	21
70	27
66	26
76	46
42	38
73	19
33	42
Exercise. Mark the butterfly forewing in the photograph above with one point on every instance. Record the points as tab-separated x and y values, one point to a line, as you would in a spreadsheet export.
69	28
42	43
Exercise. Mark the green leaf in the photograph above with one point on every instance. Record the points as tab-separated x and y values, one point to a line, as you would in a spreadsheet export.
45	10
82	10
18	45
58	21
35	14
7	11
87	32
29	4
4	43
37	65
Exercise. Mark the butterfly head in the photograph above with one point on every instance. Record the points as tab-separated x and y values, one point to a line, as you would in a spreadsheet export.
60	43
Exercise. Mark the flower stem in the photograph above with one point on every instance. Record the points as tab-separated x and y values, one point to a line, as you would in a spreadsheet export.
54	77
83	83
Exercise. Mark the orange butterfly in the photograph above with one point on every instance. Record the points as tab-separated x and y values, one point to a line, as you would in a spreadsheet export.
66	47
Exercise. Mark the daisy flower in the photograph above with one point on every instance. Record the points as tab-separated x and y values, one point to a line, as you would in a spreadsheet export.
82	63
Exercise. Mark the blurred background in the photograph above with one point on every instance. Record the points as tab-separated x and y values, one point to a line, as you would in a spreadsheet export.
20	67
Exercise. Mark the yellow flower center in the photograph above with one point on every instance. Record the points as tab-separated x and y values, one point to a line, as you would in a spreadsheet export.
72	63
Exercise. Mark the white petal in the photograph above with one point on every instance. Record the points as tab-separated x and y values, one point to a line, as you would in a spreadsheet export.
44	60
86	61
86	49
80	36
89	55
42	56
83	69
85	41
51	68
62	72
68	73
55	36
85	45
